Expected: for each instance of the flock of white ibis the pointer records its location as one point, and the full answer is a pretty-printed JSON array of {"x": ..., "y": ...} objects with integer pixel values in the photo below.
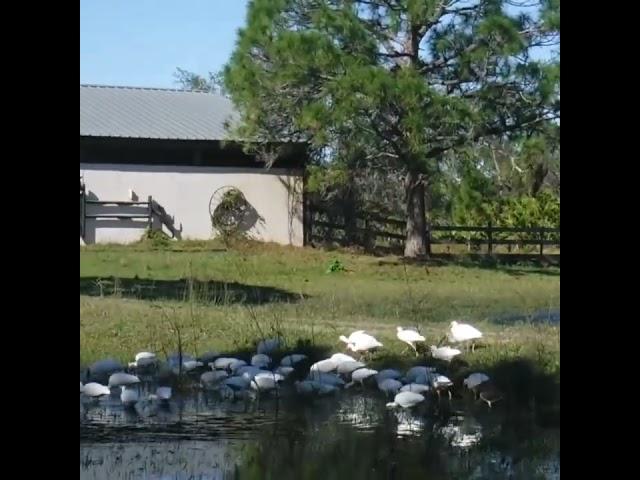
[{"x": 235, "y": 378}]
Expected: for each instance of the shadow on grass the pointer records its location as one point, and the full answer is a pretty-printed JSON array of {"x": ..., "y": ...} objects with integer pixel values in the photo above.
[{"x": 185, "y": 289}]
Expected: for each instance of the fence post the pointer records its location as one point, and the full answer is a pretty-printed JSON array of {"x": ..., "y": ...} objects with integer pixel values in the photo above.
[
  {"x": 541, "y": 238},
  {"x": 83, "y": 210},
  {"x": 489, "y": 239},
  {"x": 150, "y": 212}
]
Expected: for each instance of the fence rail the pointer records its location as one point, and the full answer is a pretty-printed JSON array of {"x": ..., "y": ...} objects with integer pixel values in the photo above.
[
  {"x": 144, "y": 210},
  {"x": 374, "y": 230}
]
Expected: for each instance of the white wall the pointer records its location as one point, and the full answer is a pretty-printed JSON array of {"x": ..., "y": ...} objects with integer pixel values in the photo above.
[{"x": 185, "y": 192}]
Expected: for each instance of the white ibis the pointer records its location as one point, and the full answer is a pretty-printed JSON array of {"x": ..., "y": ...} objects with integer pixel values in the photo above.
[
  {"x": 291, "y": 360},
  {"x": 164, "y": 393},
  {"x": 440, "y": 382},
  {"x": 388, "y": 373},
  {"x": 342, "y": 357},
  {"x": 211, "y": 379},
  {"x": 362, "y": 342},
  {"x": 94, "y": 389},
  {"x": 410, "y": 337},
  {"x": 360, "y": 375},
  {"x": 462, "y": 332},
  {"x": 346, "y": 368},
  {"x": 325, "y": 366},
  {"x": 261, "y": 360},
  {"x": 473, "y": 381},
  {"x": 444, "y": 353},
  {"x": 121, "y": 379},
  {"x": 415, "y": 387},
  {"x": 222, "y": 363},
  {"x": 406, "y": 400},
  {"x": 389, "y": 386},
  {"x": 128, "y": 396},
  {"x": 328, "y": 378}
]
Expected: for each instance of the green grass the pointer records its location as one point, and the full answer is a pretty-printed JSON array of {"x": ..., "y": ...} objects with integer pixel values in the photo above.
[{"x": 136, "y": 298}]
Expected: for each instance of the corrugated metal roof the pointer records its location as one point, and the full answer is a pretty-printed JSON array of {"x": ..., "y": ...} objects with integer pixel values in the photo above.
[{"x": 132, "y": 112}]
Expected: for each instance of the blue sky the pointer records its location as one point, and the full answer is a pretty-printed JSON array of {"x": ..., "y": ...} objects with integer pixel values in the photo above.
[{"x": 141, "y": 42}]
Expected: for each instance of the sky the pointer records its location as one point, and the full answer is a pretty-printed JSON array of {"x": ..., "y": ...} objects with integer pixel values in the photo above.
[{"x": 141, "y": 42}]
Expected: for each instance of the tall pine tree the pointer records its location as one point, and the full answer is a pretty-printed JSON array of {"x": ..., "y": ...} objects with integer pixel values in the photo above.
[{"x": 401, "y": 82}]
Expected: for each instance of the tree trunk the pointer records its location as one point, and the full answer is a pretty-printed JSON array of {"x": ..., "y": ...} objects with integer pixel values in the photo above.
[{"x": 416, "y": 240}]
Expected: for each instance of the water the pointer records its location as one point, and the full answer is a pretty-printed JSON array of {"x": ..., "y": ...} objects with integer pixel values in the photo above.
[
  {"x": 350, "y": 436},
  {"x": 545, "y": 316}
]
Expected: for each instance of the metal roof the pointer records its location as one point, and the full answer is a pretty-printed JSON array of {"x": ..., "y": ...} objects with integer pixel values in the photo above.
[{"x": 134, "y": 112}]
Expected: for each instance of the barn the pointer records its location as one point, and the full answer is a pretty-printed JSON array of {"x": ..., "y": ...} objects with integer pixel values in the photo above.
[{"x": 162, "y": 159}]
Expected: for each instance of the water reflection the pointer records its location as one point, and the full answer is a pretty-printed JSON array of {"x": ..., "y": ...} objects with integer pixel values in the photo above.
[{"x": 350, "y": 436}]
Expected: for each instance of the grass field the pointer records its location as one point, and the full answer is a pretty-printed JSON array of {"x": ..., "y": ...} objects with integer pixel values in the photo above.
[{"x": 135, "y": 298}]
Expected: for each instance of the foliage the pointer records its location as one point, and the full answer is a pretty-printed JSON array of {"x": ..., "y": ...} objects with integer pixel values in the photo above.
[
  {"x": 229, "y": 213},
  {"x": 155, "y": 239},
  {"x": 336, "y": 266},
  {"x": 192, "y": 81},
  {"x": 393, "y": 85}
]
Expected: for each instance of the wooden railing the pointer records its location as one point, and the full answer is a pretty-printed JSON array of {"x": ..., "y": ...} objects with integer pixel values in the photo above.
[
  {"x": 143, "y": 210},
  {"x": 372, "y": 230}
]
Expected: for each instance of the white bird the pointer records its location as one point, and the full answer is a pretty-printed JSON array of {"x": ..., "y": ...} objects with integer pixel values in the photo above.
[
  {"x": 211, "y": 379},
  {"x": 249, "y": 371},
  {"x": 144, "y": 360},
  {"x": 342, "y": 357},
  {"x": 326, "y": 365},
  {"x": 284, "y": 371},
  {"x": 474, "y": 380},
  {"x": 268, "y": 346},
  {"x": 121, "y": 379},
  {"x": 328, "y": 378},
  {"x": 164, "y": 393},
  {"x": 128, "y": 396},
  {"x": 388, "y": 373},
  {"x": 81, "y": 387},
  {"x": 362, "y": 342},
  {"x": 410, "y": 337},
  {"x": 261, "y": 360},
  {"x": 440, "y": 382},
  {"x": 234, "y": 366},
  {"x": 389, "y": 386},
  {"x": 360, "y": 375},
  {"x": 144, "y": 355},
  {"x": 419, "y": 374},
  {"x": 345, "y": 368},
  {"x": 415, "y": 387},
  {"x": 94, "y": 389},
  {"x": 236, "y": 383},
  {"x": 462, "y": 332},
  {"x": 192, "y": 365},
  {"x": 351, "y": 338},
  {"x": 222, "y": 363},
  {"x": 444, "y": 353},
  {"x": 266, "y": 381},
  {"x": 406, "y": 400},
  {"x": 291, "y": 360}
]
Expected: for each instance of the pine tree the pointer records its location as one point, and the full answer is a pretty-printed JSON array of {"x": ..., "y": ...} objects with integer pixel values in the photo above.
[{"x": 402, "y": 82}]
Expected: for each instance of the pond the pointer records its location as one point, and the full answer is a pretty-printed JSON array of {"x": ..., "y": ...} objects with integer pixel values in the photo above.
[{"x": 350, "y": 435}]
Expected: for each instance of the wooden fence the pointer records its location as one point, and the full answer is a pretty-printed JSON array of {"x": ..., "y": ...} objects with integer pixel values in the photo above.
[{"x": 374, "y": 231}]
